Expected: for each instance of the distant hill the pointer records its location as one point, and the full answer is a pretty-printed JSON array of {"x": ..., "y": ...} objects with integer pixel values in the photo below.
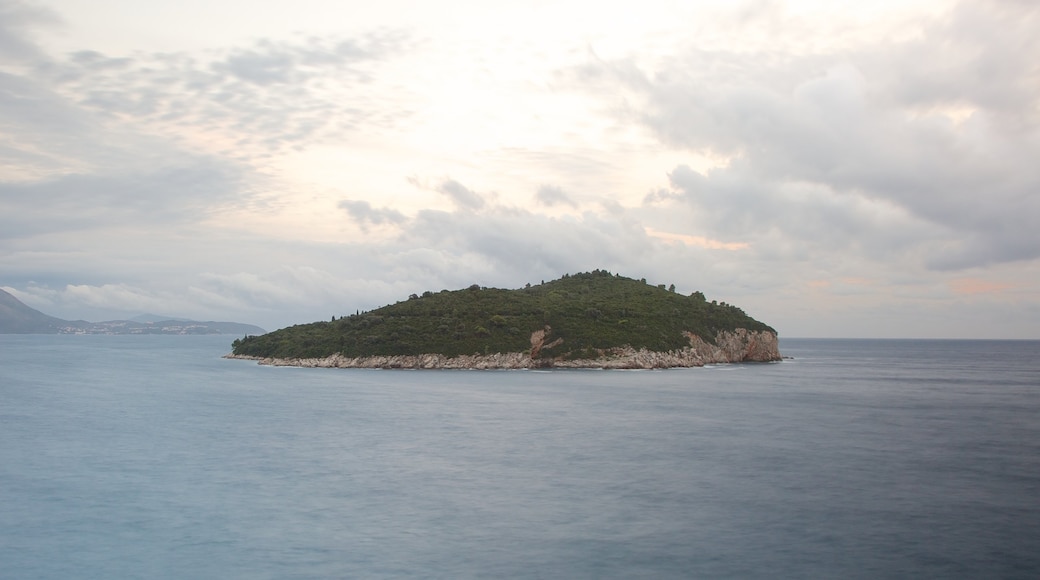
[
  {"x": 17, "y": 318},
  {"x": 577, "y": 317}
]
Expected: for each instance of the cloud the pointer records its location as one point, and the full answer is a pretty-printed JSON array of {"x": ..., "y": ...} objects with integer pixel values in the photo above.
[
  {"x": 461, "y": 195},
  {"x": 363, "y": 213},
  {"x": 978, "y": 56},
  {"x": 252, "y": 279},
  {"x": 700, "y": 241},
  {"x": 741, "y": 155},
  {"x": 791, "y": 220},
  {"x": 16, "y": 20},
  {"x": 978, "y": 286},
  {"x": 921, "y": 147},
  {"x": 270, "y": 62},
  {"x": 661, "y": 195},
  {"x": 552, "y": 196},
  {"x": 259, "y": 67},
  {"x": 269, "y": 97},
  {"x": 43, "y": 133},
  {"x": 170, "y": 195},
  {"x": 203, "y": 274}
]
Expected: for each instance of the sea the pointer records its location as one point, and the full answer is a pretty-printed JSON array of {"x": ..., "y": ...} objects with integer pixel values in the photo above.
[{"x": 153, "y": 457}]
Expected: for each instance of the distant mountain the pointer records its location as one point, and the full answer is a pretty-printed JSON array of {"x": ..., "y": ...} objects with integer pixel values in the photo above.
[{"x": 17, "y": 318}]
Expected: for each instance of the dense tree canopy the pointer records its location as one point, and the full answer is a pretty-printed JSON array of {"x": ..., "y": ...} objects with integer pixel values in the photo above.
[{"x": 588, "y": 311}]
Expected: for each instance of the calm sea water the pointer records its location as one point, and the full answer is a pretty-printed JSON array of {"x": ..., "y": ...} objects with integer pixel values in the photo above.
[{"x": 151, "y": 457}]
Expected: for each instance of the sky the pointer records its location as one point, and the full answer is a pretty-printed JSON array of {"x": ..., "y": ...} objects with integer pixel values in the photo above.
[{"x": 859, "y": 169}]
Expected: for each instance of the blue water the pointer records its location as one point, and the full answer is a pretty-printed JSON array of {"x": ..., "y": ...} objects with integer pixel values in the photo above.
[{"x": 151, "y": 457}]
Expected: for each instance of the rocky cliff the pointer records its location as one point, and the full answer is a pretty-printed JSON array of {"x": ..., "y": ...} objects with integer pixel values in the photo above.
[{"x": 739, "y": 345}]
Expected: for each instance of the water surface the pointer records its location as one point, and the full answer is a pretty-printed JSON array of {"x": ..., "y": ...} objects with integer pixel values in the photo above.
[{"x": 152, "y": 457}]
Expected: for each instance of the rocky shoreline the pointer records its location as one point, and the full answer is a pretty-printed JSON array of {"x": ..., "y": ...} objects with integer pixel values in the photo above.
[{"x": 730, "y": 347}]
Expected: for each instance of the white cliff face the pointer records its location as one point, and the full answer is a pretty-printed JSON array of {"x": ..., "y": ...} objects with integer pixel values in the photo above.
[{"x": 739, "y": 345}]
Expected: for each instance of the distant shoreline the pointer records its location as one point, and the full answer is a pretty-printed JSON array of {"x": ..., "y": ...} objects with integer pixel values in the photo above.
[
  {"x": 731, "y": 347},
  {"x": 500, "y": 361}
]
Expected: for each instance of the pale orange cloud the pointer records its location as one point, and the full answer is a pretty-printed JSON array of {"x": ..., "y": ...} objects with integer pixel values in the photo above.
[
  {"x": 977, "y": 286},
  {"x": 857, "y": 281},
  {"x": 699, "y": 241}
]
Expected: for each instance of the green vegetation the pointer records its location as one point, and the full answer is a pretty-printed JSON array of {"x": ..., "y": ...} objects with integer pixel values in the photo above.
[{"x": 588, "y": 311}]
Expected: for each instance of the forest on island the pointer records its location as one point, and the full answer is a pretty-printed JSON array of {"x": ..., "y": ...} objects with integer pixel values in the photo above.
[{"x": 586, "y": 312}]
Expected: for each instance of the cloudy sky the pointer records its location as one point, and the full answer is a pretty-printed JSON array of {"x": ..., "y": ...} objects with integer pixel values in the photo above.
[{"x": 861, "y": 169}]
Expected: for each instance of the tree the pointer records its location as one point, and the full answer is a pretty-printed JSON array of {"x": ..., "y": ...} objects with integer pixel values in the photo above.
[{"x": 587, "y": 310}]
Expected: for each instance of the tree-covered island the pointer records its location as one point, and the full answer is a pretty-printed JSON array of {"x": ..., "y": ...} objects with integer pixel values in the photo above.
[{"x": 593, "y": 319}]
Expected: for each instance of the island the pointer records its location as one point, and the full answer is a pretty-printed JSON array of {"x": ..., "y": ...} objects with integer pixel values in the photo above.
[{"x": 586, "y": 320}]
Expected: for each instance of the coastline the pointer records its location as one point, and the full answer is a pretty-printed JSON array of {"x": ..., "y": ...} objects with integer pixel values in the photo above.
[{"x": 730, "y": 347}]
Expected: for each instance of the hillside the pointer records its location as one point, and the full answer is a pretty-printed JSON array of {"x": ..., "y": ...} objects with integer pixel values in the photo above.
[
  {"x": 17, "y": 318},
  {"x": 579, "y": 316}
]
